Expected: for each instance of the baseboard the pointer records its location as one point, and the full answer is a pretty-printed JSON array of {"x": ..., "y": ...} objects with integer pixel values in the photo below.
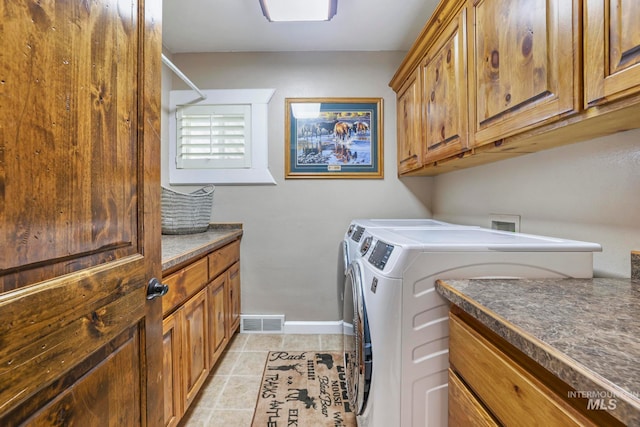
[{"x": 329, "y": 327}]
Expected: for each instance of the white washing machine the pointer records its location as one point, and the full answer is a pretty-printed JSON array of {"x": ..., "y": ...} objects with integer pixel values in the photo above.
[
  {"x": 358, "y": 230},
  {"x": 396, "y": 324},
  {"x": 353, "y": 236}
]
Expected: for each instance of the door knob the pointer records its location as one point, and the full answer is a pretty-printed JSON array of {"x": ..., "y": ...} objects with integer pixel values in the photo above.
[{"x": 156, "y": 289}]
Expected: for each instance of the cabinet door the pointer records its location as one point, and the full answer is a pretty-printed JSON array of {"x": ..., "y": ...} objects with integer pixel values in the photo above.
[
  {"x": 409, "y": 124},
  {"x": 217, "y": 317},
  {"x": 195, "y": 346},
  {"x": 522, "y": 55},
  {"x": 234, "y": 298},
  {"x": 611, "y": 49},
  {"x": 172, "y": 377},
  {"x": 464, "y": 409},
  {"x": 444, "y": 76}
]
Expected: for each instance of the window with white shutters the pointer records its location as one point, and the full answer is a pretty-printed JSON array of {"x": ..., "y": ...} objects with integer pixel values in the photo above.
[
  {"x": 221, "y": 138},
  {"x": 214, "y": 136}
]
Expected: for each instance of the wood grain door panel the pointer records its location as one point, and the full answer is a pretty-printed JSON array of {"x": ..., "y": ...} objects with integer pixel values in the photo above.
[
  {"x": 611, "y": 49},
  {"x": 70, "y": 152},
  {"x": 172, "y": 368},
  {"x": 195, "y": 346},
  {"x": 409, "y": 123},
  {"x": 445, "y": 92},
  {"x": 111, "y": 389},
  {"x": 523, "y": 63},
  {"x": 234, "y": 298},
  {"x": 218, "y": 308}
]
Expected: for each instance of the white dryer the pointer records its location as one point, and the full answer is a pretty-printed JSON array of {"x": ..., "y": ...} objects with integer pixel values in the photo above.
[{"x": 396, "y": 324}]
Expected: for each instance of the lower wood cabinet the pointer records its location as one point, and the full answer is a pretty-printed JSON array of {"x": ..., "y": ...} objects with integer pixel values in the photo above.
[
  {"x": 199, "y": 320},
  {"x": 493, "y": 383}
]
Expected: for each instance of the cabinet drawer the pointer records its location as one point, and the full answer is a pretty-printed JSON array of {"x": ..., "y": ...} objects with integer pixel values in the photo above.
[
  {"x": 184, "y": 283},
  {"x": 508, "y": 390},
  {"x": 223, "y": 258}
]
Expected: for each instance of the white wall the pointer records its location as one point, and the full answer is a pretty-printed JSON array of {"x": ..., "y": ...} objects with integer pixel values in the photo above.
[
  {"x": 585, "y": 191},
  {"x": 293, "y": 230}
]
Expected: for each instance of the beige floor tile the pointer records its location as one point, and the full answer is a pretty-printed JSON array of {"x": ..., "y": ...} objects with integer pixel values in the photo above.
[
  {"x": 225, "y": 364},
  {"x": 231, "y": 418},
  {"x": 331, "y": 342},
  {"x": 196, "y": 416},
  {"x": 240, "y": 392},
  {"x": 301, "y": 342},
  {"x": 250, "y": 363},
  {"x": 237, "y": 342},
  {"x": 211, "y": 391},
  {"x": 263, "y": 342}
]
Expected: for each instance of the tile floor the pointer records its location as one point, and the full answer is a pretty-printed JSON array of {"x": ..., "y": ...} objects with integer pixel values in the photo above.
[{"x": 229, "y": 395}]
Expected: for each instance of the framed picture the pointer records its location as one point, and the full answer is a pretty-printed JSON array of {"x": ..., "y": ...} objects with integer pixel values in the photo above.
[{"x": 333, "y": 138}]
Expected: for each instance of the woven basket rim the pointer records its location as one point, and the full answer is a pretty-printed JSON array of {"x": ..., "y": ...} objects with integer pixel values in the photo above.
[{"x": 201, "y": 192}]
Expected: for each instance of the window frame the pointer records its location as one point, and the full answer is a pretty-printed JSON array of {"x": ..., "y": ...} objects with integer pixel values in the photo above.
[{"x": 259, "y": 172}]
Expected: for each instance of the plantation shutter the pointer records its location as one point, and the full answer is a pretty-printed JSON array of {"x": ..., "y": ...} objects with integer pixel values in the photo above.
[{"x": 213, "y": 136}]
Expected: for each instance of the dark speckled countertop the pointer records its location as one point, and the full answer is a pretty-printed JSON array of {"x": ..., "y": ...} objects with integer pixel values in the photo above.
[
  {"x": 584, "y": 331},
  {"x": 178, "y": 249}
]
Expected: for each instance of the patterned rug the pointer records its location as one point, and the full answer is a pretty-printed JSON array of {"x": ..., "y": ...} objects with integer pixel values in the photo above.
[{"x": 304, "y": 389}]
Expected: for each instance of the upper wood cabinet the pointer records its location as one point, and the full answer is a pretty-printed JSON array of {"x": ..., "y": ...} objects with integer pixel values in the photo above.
[
  {"x": 611, "y": 50},
  {"x": 539, "y": 74},
  {"x": 523, "y": 64},
  {"x": 409, "y": 110},
  {"x": 445, "y": 92}
]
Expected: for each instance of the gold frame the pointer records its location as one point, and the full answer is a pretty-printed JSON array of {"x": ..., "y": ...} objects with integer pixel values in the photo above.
[{"x": 363, "y": 113}]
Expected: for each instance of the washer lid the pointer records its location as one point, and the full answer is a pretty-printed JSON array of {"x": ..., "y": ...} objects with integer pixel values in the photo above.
[{"x": 478, "y": 239}]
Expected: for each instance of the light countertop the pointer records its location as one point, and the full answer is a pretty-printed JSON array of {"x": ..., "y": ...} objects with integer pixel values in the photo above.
[
  {"x": 178, "y": 249},
  {"x": 584, "y": 331}
]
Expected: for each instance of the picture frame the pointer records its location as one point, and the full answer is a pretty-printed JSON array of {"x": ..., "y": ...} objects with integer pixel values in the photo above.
[{"x": 334, "y": 138}]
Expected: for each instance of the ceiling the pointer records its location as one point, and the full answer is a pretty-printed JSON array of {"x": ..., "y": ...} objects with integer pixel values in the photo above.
[{"x": 239, "y": 26}]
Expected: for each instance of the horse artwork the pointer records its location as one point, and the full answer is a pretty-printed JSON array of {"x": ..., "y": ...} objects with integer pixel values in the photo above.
[
  {"x": 332, "y": 139},
  {"x": 339, "y": 139}
]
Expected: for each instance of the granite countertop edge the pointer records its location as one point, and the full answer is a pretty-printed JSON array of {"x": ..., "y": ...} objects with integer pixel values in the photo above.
[
  {"x": 577, "y": 375},
  {"x": 180, "y": 249}
]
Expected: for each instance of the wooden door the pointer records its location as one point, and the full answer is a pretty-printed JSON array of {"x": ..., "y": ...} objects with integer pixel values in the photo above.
[
  {"x": 234, "y": 298},
  {"x": 217, "y": 317},
  {"x": 611, "y": 49},
  {"x": 522, "y": 56},
  {"x": 444, "y": 74},
  {"x": 79, "y": 223},
  {"x": 195, "y": 346},
  {"x": 409, "y": 124}
]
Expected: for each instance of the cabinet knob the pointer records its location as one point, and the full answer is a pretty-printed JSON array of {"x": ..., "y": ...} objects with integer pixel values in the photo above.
[{"x": 156, "y": 289}]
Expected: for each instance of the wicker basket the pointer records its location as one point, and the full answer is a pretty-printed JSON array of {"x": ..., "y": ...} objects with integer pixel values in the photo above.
[{"x": 186, "y": 213}]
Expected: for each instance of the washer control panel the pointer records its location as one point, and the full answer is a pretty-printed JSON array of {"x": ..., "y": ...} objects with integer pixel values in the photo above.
[
  {"x": 357, "y": 234},
  {"x": 380, "y": 255},
  {"x": 366, "y": 244}
]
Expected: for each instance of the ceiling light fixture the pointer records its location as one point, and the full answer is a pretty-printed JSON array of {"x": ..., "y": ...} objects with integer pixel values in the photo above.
[{"x": 298, "y": 10}]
